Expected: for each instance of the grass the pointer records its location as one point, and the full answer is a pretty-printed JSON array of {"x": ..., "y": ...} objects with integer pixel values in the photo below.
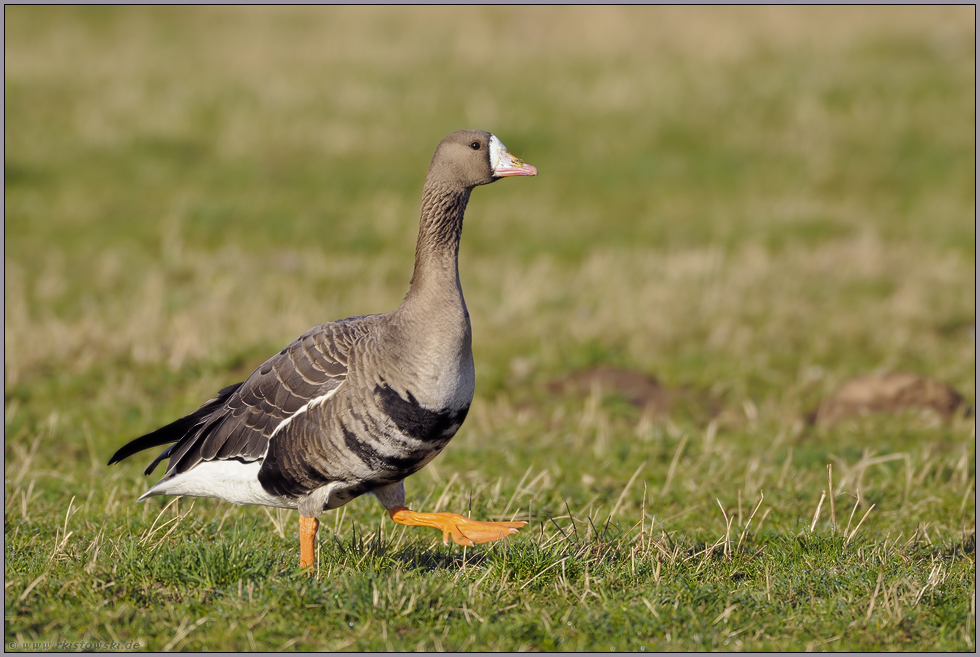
[{"x": 751, "y": 204}]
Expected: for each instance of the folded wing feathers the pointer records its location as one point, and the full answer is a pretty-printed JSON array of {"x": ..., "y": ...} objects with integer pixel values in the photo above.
[{"x": 238, "y": 423}]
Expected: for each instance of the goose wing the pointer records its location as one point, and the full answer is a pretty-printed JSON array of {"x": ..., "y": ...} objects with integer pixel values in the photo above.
[{"x": 240, "y": 421}]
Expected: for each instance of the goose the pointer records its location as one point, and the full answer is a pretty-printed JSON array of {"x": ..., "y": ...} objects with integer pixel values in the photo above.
[{"x": 357, "y": 405}]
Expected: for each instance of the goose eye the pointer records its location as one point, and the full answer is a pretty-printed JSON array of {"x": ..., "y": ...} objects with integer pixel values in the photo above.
[{"x": 475, "y": 145}]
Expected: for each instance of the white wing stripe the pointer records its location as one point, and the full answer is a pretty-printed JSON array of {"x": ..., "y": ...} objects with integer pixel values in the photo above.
[{"x": 302, "y": 409}]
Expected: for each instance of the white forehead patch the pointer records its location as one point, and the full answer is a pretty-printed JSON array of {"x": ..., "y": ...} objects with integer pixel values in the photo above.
[{"x": 497, "y": 152}]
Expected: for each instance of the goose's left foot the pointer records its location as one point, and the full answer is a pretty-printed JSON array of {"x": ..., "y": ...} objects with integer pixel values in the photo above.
[{"x": 463, "y": 530}]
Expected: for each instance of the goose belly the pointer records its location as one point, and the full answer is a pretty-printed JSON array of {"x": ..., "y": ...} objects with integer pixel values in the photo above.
[
  {"x": 396, "y": 440},
  {"x": 357, "y": 445},
  {"x": 416, "y": 422}
]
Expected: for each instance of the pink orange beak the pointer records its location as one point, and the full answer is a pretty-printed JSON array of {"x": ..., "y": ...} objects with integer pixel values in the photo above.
[
  {"x": 504, "y": 164},
  {"x": 508, "y": 165}
]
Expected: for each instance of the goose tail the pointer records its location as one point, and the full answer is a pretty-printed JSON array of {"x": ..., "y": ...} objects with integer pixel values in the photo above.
[{"x": 174, "y": 431}]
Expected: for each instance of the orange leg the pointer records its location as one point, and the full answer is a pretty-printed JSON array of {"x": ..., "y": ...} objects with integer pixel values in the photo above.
[
  {"x": 463, "y": 530},
  {"x": 307, "y": 538}
]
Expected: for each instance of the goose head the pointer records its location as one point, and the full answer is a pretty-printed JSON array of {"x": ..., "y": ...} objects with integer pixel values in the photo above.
[{"x": 468, "y": 158}]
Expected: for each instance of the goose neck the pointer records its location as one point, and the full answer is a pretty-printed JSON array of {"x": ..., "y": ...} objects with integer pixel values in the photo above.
[{"x": 436, "y": 271}]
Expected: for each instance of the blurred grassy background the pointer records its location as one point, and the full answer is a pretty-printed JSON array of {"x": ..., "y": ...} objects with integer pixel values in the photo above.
[{"x": 757, "y": 203}]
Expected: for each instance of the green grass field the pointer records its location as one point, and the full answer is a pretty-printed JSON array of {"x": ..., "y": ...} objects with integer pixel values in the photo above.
[{"x": 752, "y": 205}]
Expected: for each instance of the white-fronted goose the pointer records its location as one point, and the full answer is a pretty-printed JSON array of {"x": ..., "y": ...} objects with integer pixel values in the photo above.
[{"x": 353, "y": 406}]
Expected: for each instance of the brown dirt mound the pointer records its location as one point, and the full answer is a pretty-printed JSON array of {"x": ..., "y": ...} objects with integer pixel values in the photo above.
[{"x": 886, "y": 393}]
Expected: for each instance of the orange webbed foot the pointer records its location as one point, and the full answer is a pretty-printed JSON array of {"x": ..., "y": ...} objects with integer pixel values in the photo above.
[{"x": 464, "y": 531}]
